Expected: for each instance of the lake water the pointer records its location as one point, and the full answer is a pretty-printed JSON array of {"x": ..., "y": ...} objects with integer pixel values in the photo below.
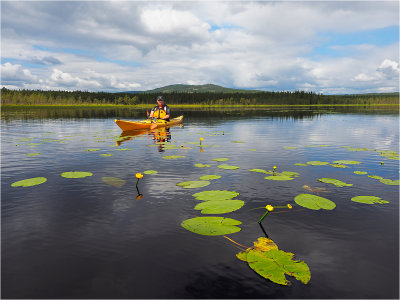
[{"x": 83, "y": 238}]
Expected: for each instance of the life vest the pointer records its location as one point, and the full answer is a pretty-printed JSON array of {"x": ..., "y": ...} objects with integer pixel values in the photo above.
[{"x": 159, "y": 112}]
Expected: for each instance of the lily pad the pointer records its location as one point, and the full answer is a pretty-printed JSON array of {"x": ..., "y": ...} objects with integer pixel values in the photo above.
[
  {"x": 336, "y": 182},
  {"x": 29, "y": 182},
  {"x": 76, "y": 174},
  {"x": 357, "y": 149},
  {"x": 300, "y": 164},
  {"x": 317, "y": 163},
  {"x": 212, "y": 226},
  {"x": 339, "y": 166},
  {"x": 279, "y": 178},
  {"x": 375, "y": 177},
  {"x": 91, "y": 150},
  {"x": 219, "y": 206},
  {"x": 114, "y": 181},
  {"x": 360, "y": 172},
  {"x": 149, "y": 172},
  {"x": 221, "y": 159},
  {"x": 289, "y": 173},
  {"x": 123, "y": 149},
  {"x": 369, "y": 200},
  {"x": 291, "y": 148},
  {"x": 215, "y": 195},
  {"x": 33, "y": 154},
  {"x": 228, "y": 167},
  {"x": 390, "y": 182},
  {"x": 238, "y": 142},
  {"x": 193, "y": 184},
  {"x": 202, "y": 166},
  {"x": 347, "y": 162},
  {"x": 273, "y": 264},
  {"x": 106, "y": 154},
  {"x": 252, "y": 150},
  {"x": 314, "y": 202},
  {"x": 209, "y": 177},
  {"x": 173, "y": 156}
]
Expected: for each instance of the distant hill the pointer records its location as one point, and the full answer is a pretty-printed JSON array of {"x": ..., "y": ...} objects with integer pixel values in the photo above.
[{"x": 187, "y": 88}]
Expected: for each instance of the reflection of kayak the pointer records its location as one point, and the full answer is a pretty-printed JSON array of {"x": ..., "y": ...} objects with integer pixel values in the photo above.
[{"x": 147, "y": 124}]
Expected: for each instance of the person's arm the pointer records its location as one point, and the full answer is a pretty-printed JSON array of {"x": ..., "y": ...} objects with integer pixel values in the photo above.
[
  {"x": 167, "y": 112},
  {"x": 152, "y": 113}
]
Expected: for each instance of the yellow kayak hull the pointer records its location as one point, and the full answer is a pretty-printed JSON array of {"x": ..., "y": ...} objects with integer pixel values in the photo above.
[{"x": 147, "y": 124}]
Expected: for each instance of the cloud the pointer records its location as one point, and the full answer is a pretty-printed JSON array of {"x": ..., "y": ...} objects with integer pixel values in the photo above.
[
  {"x": 266, "y": 45},
  {"x": 390, "y": 69},
  {"x": 16, "y": 74}
]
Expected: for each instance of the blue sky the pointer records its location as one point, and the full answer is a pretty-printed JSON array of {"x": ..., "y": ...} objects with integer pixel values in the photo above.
[{"x": 329, "y": 47}]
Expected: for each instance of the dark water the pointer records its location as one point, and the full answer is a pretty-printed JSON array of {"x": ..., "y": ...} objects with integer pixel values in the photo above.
[{"x": 82, "y": 238}]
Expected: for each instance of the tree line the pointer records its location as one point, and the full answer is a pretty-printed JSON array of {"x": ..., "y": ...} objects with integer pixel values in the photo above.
[{"x": 39, "y": 97}]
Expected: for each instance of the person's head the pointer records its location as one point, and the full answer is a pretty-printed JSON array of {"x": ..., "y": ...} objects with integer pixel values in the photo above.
[{"x": 160, "y": 100}]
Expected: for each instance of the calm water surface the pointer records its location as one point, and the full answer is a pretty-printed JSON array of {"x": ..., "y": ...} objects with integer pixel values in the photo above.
[{"x": 83, "y": 238}]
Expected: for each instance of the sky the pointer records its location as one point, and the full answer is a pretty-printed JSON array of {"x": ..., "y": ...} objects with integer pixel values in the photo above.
[{"x": 329, "y": 47}]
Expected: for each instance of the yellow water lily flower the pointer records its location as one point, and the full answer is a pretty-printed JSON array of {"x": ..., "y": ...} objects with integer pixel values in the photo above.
[
  {"x": 269, "y": 207},
  {"x": 201, "y": 139},
  {"x": 139, "y": 175},
  {"x": 275, "y": 167},
  {"x": 289, "y": 206}
]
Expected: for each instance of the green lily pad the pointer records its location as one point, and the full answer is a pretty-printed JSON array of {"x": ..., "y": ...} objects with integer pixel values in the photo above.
[
  {"x": 289, "y": 173},
  {"x": 375, "y": 177},
  {"x": 357, "y": 149},
  {"x": 219, "y": 206},
  {"x": 335, "y": 182},
  {"x": 274, "y": 264},
  {"x": 193, "y": 184},
  {"x": 220, "y": 159},
  {"x": 212, "y": 225},
  {"x": 114, "y": 181},
  {"x": 228, "y": 167},
  {"x": 339, "y": 166},
  {"x": 106, "y": 154},
  {"x": 123, "y": 149},
  {"x": 347, "y": 162},
  {"x": 173, "y": 156},
  {"x": 291, "y": 148},
  {"x": 202, "y": 166},
  {"x": 314, "y": 202},
  {"x": 279, "y": 178},
  {"x": 33, "y": 154},
  {"x": 252, "y": 150},
  {"x": 215, "y": 195},
  {"x": 301, "y": 164},
  {"x": 390, "y": 182},
  {"x": 209, "y": 177},
  {"x": 76, "y": 174},
  {"x": 93, "y": 149},
  {"x": 29, "y": 182},
  {"x": 238, "y": 142},
  {"x": 360, "y": 172},
  {"x": 317, "y": 163},
  {"x": 369, "y": 200},
  {"x": 149, "y": 172}
]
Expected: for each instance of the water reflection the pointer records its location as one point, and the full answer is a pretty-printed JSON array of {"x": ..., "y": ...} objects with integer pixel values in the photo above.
[{"x": 222, "y": 113}]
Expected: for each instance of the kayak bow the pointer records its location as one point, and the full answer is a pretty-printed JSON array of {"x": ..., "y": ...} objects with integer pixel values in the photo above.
[{"x": 147, "y": 124}]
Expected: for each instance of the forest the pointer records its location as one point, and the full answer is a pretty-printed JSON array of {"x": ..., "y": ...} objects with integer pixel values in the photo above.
[{"x": 39, "y": 97}]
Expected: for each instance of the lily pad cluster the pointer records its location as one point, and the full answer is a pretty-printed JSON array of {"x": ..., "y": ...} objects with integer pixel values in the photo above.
[
  {"x": 215, "y": 202},
  {"x": 273, "y": 264}
]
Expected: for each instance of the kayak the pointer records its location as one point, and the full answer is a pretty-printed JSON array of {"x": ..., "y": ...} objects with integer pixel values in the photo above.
[{"x": 147, "y": 124}]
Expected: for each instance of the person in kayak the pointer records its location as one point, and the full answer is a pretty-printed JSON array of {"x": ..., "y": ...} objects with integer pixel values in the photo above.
[{"x": 161, "y": 110}]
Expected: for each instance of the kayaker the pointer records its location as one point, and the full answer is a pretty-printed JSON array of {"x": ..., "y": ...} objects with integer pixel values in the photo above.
[{"x": 161, "y": 110}]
